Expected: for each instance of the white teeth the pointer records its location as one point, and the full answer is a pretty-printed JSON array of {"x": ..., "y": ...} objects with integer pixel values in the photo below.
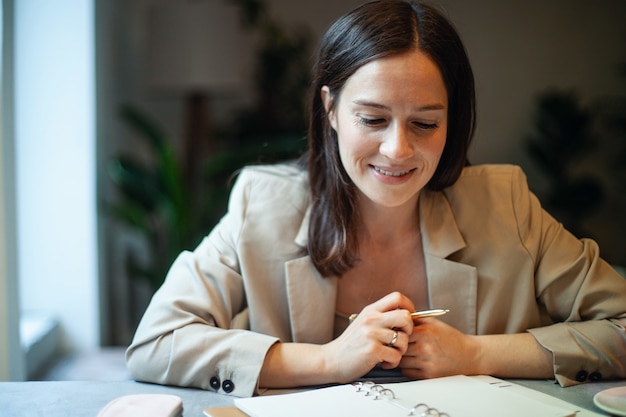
[{"x": 392, "y": 174}]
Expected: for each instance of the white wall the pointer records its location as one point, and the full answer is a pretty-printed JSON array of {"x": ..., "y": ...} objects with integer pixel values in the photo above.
[{"x": 55, "y": 164}]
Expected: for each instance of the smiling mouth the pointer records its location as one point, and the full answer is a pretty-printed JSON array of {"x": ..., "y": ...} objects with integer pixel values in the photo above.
[{"x": 392, "y": 173}]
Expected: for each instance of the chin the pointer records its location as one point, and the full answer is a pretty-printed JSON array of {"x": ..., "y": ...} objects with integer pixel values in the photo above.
[{"x": 392, "y": 201}]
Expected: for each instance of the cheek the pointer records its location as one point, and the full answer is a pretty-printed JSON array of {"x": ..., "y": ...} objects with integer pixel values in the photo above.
[
  {"x": 436, "y": 145},
  {"x": 344, "y": 149},
  {"x": 351, "y": 142},
  {"x": 351, "y": 151},
  {"x": 441, "y": 146}
]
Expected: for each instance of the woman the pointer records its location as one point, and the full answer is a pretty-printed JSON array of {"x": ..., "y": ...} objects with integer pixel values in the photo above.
[{"x": 384, "y": 220}]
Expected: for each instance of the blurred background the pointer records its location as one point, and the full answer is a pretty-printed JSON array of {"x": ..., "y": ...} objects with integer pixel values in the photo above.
[{"x": 123, "y": 120}]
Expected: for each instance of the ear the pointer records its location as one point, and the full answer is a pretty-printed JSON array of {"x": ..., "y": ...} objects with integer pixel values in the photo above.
[{"x": 327, "y": 99}]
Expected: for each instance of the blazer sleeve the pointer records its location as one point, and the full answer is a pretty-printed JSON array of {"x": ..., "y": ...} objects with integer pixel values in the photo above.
[
  {"x": 184, "y": 337},
  {"x": 583, "y": 296}
]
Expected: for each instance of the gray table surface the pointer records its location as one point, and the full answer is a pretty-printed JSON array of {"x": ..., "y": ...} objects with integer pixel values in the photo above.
[
  {"x": 580, "y": 395},
  {"x": 86, "y": 399}
]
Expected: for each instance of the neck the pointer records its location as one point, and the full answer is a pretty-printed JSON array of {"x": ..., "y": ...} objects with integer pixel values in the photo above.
[{"x": 384, "y": 225}]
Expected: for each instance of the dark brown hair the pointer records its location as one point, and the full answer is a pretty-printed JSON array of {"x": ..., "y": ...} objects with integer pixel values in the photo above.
[{"x": 372, "y": 31}]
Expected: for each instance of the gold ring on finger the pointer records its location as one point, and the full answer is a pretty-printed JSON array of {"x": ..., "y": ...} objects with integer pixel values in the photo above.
[{"x": 394, "y": 339}]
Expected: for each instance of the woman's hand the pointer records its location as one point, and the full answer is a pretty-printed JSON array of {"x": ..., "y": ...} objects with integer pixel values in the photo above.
[
  {"x": 379, "y": 334},
  {"x": 437, "y": 349}
]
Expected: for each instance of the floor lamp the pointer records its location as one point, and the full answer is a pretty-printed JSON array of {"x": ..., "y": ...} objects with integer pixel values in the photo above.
[{"x": 194, "y": 51}]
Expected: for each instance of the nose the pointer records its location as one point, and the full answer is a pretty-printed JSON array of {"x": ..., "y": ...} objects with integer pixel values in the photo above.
[{"x": 396, "y": 144}]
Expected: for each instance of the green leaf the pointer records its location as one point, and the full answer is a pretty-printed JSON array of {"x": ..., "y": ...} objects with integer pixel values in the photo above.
[
  {"x": 132, "y": 215},
  {"x": 144, "y": 127},
  {"x": 137, "y": 183}
]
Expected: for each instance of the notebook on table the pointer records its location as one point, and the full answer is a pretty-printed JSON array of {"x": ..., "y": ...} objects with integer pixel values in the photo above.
[{"x": 455, "y": 396}]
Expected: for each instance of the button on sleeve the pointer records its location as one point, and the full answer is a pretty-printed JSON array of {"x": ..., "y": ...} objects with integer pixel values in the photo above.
[
  {"x": 215, "y": 383},
  {"x": 581, "y": 376},
  {"x": 228, "y": 386},
  {"x": 595, "y": 376}
]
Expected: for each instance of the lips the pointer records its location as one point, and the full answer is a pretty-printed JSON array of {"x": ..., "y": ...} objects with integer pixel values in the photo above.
[{"x": 394, "y": 173}]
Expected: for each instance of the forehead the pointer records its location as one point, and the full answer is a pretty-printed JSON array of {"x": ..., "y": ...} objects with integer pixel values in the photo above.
[{"x": 408, "y": 76}]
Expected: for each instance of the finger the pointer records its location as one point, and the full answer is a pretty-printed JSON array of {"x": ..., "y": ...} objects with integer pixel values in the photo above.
[
  {"x": 394, "y": 338},
  {"x": 398, "y": 341},
  {"x": 389, "y": 337},
  {"x": 396, "y": 319},
  {"x": 412, "y": 373},
  {"x": 389, "y": 330},
  {"x": 391, "y": 356},
  {"x": 394, "y": 301},
  {"x": 413, "y": 365},
  {"x": 418, "y": 321},
  {"x": 399, "y": 319},
  {"x": 425, "y": 328}
]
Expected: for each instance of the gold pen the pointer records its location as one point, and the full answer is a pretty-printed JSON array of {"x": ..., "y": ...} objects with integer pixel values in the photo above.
[
  {"x": 429, "y": 313},
  {"x": 416, "y": 315}
]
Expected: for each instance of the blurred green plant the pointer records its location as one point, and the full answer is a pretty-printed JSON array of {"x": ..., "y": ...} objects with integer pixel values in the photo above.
[
  {"x": 155, "y": 202},
  {"x": 281, "y": 78},
  {"x": 560, "y": 142},
  {"x": 155, "y": 199},
  {"x": 610, "y": 125},
  {"x": 581, "y": 149},
  {"x": 158, "y": 204}
]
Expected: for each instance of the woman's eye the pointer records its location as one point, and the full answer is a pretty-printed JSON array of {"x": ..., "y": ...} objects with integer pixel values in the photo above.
[
  {"x": 426, "y": 126},
  {"x": 370, "y": 122}
]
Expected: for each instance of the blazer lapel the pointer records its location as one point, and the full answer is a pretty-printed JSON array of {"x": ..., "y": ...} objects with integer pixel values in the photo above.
[
  {"x": 451, "y": 284},
  {"x": 312, "y": 298}
]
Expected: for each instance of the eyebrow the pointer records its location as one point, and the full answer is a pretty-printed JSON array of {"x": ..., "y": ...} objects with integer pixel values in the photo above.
[{"x": 427, "y": 107}]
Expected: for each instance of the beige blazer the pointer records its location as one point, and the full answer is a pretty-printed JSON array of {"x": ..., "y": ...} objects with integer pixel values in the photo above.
[{"x": 493, "y": 257}]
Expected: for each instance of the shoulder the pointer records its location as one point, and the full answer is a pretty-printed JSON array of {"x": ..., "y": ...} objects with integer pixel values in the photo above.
[
  {"x": 493, "y": 195},
  {"x": 285, "y": 175},
  {"x": 279, "y": 181},
  {"x": 492, "y": 173},
  {"x": 268, "y": 193},
  {"x": 488, "y": 182},
  {"x": 288, "y": 172}
]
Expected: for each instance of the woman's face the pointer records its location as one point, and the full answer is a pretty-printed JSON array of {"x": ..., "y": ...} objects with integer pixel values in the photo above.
[{"x": 391, "y": 123}]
